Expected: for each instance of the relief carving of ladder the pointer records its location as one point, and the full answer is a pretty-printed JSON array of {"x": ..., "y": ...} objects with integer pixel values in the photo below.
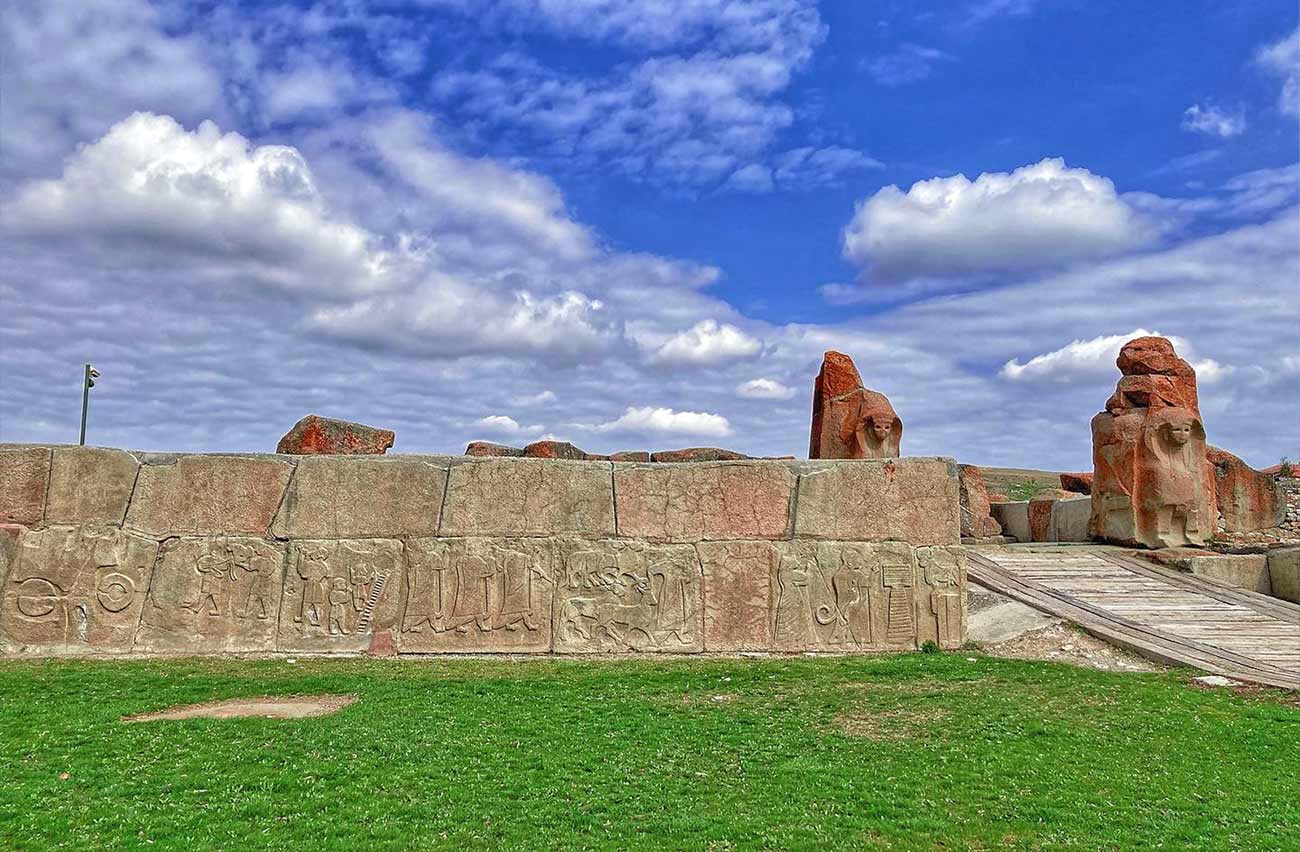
[{"x": 363, "y": 623}]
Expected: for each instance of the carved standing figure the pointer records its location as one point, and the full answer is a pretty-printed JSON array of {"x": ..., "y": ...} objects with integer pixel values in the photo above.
[
  {"x": 848, "y": 420},
  {"x": 1173, "y": 477}
]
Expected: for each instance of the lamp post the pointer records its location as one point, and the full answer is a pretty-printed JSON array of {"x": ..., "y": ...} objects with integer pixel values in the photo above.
[{"x": 87, "y": 382}]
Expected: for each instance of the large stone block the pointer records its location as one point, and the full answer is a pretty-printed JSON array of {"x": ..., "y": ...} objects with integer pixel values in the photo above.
[
  {"x": 1070, "y": 516},
  {"x": 526, "y": 497},
  {"x": 90, "y": 485},
  {"x": 1284, "y": 573},
  {"x": 362, "y": 497},
  {"x": 76, "y": 588},
  {"x": 910, "y": 499},
  {"x": 213, "y": 595},
  {"x": 1013, "y": 516},
  {"x": 709, "y": 501},
  {"x": 341, "y": 595},
  {"x": 24, "y": 476},
  {"x": 857, "y": 596},
  {"x": 737, "y": 594},
  {"x": 324, "y": 435},
  {"x": 616, "y": 596},
  {"x": 475, "y": 595},
  {"x": 208, "y": 495}
]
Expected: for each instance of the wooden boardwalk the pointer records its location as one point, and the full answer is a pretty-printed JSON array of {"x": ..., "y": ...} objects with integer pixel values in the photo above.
[{"x": 1160, "y": 613}]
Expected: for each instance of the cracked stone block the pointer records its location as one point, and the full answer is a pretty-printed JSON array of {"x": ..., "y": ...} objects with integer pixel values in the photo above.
[
  {"x": 208, "y": 495},
  {"x": 909, "y": 499},
  {"x": 507, "y": 496},
  {"x": 737, "y": 594},
  {"x": 362, "y": 497},
  {"x": 24, "y": 475},
  {"x": 705, "y": 501},
  {"x": 90, "y": 485}
]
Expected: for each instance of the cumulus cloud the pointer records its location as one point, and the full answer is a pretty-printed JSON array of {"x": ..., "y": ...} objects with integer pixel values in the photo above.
[
  {"x": 909, "y": 64},
  {"x": 1041, "y": 215},
  {"x": 707, "y": 342},
  {"x": 501, "y": 424},
  {"x": 1096, "y": 356},
  {"x": 764, "y": 389},
  {"x": 666, "y": 421},
  {"x": 1214, "y": 121},
  {"x": 1281, "y": 59}
]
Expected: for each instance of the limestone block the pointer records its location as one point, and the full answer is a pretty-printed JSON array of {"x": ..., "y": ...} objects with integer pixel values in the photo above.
[
  {"x": 362, "y": 497},
  {"x": 24, "y": 475},
  {"x": 1244, "y": 570},
  {"x": 505, "y": 496},
  {"x": 910, "y": 499},
  {"x": 737, "y": 594},
  {"x": 1284, "y": 573},
  {"x": 90, "y": 485},
  {"x": 705, "y": 501},
  {"x": 1070, "y": 516},
  {"x": 478, "y": 595},
  {"x": 1014, "y": 518},
  {"x": 845, "y": 596},
  {"x": 213, "y": 595},
  {"x": 941, "y": 595},
  {"x": 616, "y": 596},
  {"x": 76, "y": 588},
  {"x": 208, "y": 495},
  {"x": 343, "y": 595}
]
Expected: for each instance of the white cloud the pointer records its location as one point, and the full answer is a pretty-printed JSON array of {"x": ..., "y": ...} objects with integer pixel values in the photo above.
[
  {"x": 667, "y": 421},
  {"x": 1282, "y": 59},
  {"x": 1082, "y": 357},
  {"x": 707, "y": 342},
  {"x": 1214, "y": 121},
  {"x": 764, "y": 389},
  {"x": 502, "y": 424},
  {"x": 909, "y": 64},
  {"x": 1041, "y": 215}
]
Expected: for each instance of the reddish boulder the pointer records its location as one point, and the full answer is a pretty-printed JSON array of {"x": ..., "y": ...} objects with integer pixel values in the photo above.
[
  {"x": 1248, "y": 499},
  {"x": 1080, "y": 483},
  {"x": 315, "y": 435},
  {"x": 554, "y": 450},
  {"x": 697, "y": 454},
  {"x": 1287, "y": 468},
  {"x": 1152, "y": 484},
  {"x": 996, "y": 497},
  {"x": 976, "y": 522},
  {"x": 849, "y": 421},
  {"x": 630, "y": 456},
  {"x": 489, "y": 449},
  {"x": 1040, "y": 512}
]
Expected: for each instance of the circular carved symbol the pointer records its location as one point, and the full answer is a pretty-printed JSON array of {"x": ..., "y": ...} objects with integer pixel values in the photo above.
[
  {"x": 115, "y": 592},
  {"x": 37, "y": 597}
]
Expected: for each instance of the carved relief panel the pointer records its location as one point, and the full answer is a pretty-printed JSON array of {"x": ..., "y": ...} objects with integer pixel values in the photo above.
[
  {"x": 214, "y": 594},
  {"x": 628, "y": 596},
  {"x": 478, "y": 595},
  {"x": 338, "y": 595},
  {"x": 941, "y": 596},
  {"x": 81, "y": 587}
]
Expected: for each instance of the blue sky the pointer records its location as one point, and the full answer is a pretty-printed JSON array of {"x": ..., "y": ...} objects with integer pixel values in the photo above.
[{"x": 638, "y": 224}]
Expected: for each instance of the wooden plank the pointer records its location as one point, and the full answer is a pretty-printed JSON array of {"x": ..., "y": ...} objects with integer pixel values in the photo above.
[{"x": 1275, "y": 607}]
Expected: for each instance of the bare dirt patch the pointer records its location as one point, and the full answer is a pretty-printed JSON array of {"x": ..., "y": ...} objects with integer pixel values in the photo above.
[
  {"x": 894, "y": 724},
  {"x": 269, "y": 707},
  {"x": 1060, "y": 643}
]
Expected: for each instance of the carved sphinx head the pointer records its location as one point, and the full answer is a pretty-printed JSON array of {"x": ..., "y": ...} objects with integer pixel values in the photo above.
[{"x": 880, "y": 429}]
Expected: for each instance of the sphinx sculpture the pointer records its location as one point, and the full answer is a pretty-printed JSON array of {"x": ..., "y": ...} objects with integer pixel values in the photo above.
[
  {"x": 848, "y": 420},
  {"x": 1153, "y": 483}
]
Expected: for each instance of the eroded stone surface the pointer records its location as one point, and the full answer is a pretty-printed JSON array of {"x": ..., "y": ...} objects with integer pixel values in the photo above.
[
  {"x": 341, "y": 595},
  {"x": 76, "y": 588},
  {"x": 554, "y": 450},
  {"x": 362, "y": 498},
  {"x": 912, "y": 499},
  {"x": 529, "y": 497},
  {"x": 696, "y": 454},
  {"x": 737, "y": 594},
  {"x": 213, "y": 595},
  {"x": 324, "y": 435},
  {"x": 1248, "y": 499},
  {"x": 976, "y": 519},
  {"x": 208, "y": 495},
  {"x": 941, "y": 596},
  {"x": 1284, "y": 572},
  {"x": 90, "y": 485},
  {"x": 1079, "y": 483},
  {"x": 721, "y": 500},
  {"x": 849, "y": 421},
  {"x": 478, "y": 595},
  {"x": 616, "y": 596},
  {"x": 487, "y": 449},
  {"x": 24, "y": 476}
]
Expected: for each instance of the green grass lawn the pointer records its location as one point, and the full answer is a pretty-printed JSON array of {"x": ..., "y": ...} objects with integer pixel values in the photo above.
[{"x": 897, "y": 752}]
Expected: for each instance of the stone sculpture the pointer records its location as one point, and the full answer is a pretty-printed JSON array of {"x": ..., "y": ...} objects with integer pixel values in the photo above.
[
  {"x": 848, "y": 420},
  {"x": 1153, "y": 484},
  {"x": 1248, "y": 499},
  {"x": 315, "y": 434}
]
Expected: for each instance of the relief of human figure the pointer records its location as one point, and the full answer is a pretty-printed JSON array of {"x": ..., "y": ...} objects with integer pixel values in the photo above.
[
  {"x": 1173, "y": 477},
  {"x": 794, "y": 617},
  {"x": 213, "y": 567},
  {"x": 313, "y": 570},
  {"x": 340, "y": 594}
]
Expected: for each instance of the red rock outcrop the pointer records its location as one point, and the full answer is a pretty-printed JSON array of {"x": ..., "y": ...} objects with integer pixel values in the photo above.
[
  {"x": 1153, "y": 484},
  {"x": 1079, "y": 483},
  {"x": 554, "y": 450},
  {"x": 1248, "y": 499},
  {"x": 697, "y": 454},
  {"x": 489, "y": 449},
  {"x": 316, "y": 435},
  {"x": 849, "y": 421},
  {"x": 976, "y": 522}
]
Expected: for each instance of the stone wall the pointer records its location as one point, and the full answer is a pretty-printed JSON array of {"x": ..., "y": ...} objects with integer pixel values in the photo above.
[{"x": 121, "y": 552}]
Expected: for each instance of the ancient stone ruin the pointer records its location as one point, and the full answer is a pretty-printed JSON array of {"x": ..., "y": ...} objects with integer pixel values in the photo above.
[
  {"x": 316, "y": 435},
  {"x": 849, "y": 421},
  {"x": 1153, "y": 484},
  {"x": 120, "y": 552}
]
